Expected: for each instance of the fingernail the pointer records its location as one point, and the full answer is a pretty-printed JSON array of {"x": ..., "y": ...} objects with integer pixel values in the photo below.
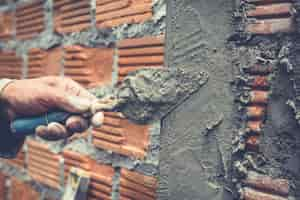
[
  {"x": 80, "y": 104},
  {"x": 97, "y": 119}
]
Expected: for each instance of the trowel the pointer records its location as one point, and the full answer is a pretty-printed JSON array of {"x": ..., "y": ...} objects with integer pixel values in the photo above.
[{"x": 143, "y": 96}]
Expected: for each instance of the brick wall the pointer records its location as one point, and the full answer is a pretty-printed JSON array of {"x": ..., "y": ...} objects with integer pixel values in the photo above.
[{"x": 91, "y": 42}]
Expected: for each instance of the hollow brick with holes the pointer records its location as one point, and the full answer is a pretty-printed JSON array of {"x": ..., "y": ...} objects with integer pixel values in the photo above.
[
  {"x": 30, "y": 19},
  {"x": 138, "y": 53},
  {"x": 10, "y": 65},
  {"x": 121, "y": 136},
  {"x": 72, "y": 16},
  {"x": 22, "y": 191},
  {"x": 44, "y": 62},
  {"x": 6, "y": 25},
  {"x": 89, "y": 66},
  {"x": 43, "y": 165}
]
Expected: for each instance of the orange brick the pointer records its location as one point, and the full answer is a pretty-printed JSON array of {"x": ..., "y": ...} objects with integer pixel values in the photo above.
[
  {"x": 6, "y": 25},
  {"x": 271, "y": 26},
  {"x": 267, "y": 183},
  {"x": 136, "y": 186},
  {"x": 71, "y": 16},
  {"x": 259, "y": 97},
  {"x": 261, "y": 82},
  {"x": 43, "y": 165},
  {"x": 30, "y": 20},
  {"x": 23, "y": 191},
  {"x": 266, "y": 1},
  {"x": 121, "y": 136},
  {"x": 271, "y": 10},
  {"x": 101, "y": 181},
  {"x": 44, "y": 63},
  {"x": 10, "y": 65},
  {"x": 252, "y": 194},
  {"x": 3, "y": 189},
  {"x": 254, "y": 126},
  {"x": 252, "y": 143},
  {"x": 140, "y": 53},
  {"x": 257, "y": 112},
  {"x": 110, "y": 13},
  {"x": 77, "y": 160},
  {"x": 89, "y": 66}
]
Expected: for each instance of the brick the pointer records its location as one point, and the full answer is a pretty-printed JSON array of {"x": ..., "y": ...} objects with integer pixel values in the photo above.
[
  {"x": 271, "y": 10},
  {"x": 3, "y": 189},
  {"x": 18, "y": 162},
  {"x": 6, "y": 25},
  {"x": 101, "y": 181},
  {"x": 136, "y": 186},
  {"x": 252, "y": 143},
  {"x": 44, "y": 63},
  {"x": 29, "y": 20},
  {"x": 271, "y": 26},
  {"x": 77, "y": 160},
  {"x": 89, "y": 66},
  {"x": 110, "y": 13},
  {"x": 267, "y": 183},
  {"x": 261, "y": 82},
  {"x": 23, "y": 191},
  {"x": 258, "y": 97},
  {"x": 266, "y": 1},
  {"x": 10, "y": 65},
  {"x": 121, "y": 136},
  {"x": 255, "y": 112},
  {"x": 252, "y": 194},
  {"x": 72, "y": 16},
  {"x": 140, "y": 53},
  {"x": 254, "y": 126},
  {"x": 43, "y": 165}
]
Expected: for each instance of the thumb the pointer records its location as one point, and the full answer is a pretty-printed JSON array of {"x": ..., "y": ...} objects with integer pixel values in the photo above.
[{"x": 74, "y": 104}]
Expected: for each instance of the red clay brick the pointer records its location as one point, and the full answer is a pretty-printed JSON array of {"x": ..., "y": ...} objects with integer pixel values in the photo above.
[
  {"x": 252, "y": 143},
  {"x": 89, "y": 66},
  {"x": 71, "y": 16},
  {"x": 266, "y": 1},
  {"x": 140, "y": 53},
  {"x": 261, "y": 82},
  {"x": 267, "y": 183},
  {"x": 271, "y": 10},
  {"x": 30, "y": 20},
  {"x": 136, "y": 186},
  {"x": 3, "y": 189},
  {"x": 23, "y": 191},
  {"x": 271, "y": 26},
  {"x": 259, "y": 97},
  {"x": 252, "y": 194},
  {"x": 111, "y": 13},
  {"x": 43, "y": 165},
  {"x": 101, "y": 181},
  {"x": 10, "y": 65},
  {"x": 44, "y": 63},
  {"x": 6, "y": 25},
  {"x": 121, "y": 136},
  {"x": 257, "y": 112},
  {"x": 254, "y": 126}
]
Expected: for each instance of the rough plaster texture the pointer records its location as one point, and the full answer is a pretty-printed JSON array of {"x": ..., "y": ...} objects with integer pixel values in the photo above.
[{"x": 196, "y": 137}]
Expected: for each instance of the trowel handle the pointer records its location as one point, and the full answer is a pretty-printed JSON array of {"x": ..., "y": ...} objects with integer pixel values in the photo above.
[{"x": 26, "y": 126}]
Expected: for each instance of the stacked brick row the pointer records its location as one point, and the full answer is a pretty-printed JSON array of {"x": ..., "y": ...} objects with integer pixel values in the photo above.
[
  {"x": 264, "y": 17},
  {"x": 268, "y": 17},
  {"x": 52, "y": 170}
]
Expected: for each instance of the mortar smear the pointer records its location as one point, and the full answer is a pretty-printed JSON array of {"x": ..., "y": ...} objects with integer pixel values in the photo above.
[{"x": 147, "y": 95}]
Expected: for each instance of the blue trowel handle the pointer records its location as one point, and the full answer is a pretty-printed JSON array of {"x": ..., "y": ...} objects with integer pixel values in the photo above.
[{"x": 26, "y": 126}]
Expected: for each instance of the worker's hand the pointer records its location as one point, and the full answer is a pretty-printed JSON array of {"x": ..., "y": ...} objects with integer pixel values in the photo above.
[{"x": 33, "y": 97}]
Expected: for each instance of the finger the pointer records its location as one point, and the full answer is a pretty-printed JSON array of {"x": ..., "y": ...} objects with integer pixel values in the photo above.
[
  {"x": 97, "y": 120},
  {"x": 56, "y": 131},
  {"x": 76, "y": 124}
]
